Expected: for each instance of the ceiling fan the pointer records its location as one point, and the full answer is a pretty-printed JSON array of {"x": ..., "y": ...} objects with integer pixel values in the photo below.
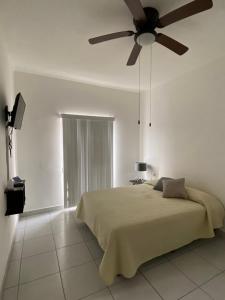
[{"x": 146, "y": 20}]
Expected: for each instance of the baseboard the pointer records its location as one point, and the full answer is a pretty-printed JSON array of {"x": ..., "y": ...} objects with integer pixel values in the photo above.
[{"x": 41, "y": 211}]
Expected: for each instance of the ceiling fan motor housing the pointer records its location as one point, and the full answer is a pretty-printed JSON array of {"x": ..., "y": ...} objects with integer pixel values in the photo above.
[{"x": 152, "y": 15}]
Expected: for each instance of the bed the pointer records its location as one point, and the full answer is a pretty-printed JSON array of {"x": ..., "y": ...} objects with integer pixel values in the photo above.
[{"x": 135, "y": 224}]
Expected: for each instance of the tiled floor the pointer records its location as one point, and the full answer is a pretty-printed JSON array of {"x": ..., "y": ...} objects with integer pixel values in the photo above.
[{"x": 55, "y": 257}]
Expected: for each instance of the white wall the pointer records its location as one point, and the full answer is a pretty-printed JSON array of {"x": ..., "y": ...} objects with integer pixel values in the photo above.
[
  {"x": 7, "y": 224},
  {"x": 187, "y": 137},
  {"x": 40, "y": 143}
]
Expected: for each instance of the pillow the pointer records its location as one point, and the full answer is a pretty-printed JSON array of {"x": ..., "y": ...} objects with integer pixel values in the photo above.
[
  {"x": 174, "y": 188},
  {"x": 159, "y": 185}
]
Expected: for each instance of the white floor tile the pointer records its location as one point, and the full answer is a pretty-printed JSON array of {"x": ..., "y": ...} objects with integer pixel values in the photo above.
[
  {"x": 153, "y": 263},
  {"x": 216, "y": 287},
  {"x": 103, "y": 295},
  {"x": 95, "y": 249},
  {"x": 67, "y": 238},
  {"x": 12, "y": 276},
  {"x": 48, "y": 288},
  {"x": 39, "y": 219},
  {"x": 133, "y": 289},
  {"x": 55, "y": 213},
  {"x": 85, "y": 231},
  {"x": 72, "y": 256},
  {"x": 79, "y": 222},
  {"x": 10, "y": 294},
  {"x": 19, "y": 234},
  {"x": 62, "y": 216},
  {"x": 169, "y": 282},
  {"x": 82, "y": 281},
  {"x": 64, "y": 225},
  {"x": 197, "y": 295},
  {"x": 118, "y": 278},
  {"x": 197, "y": 243},
  {"x": 214, "y": 253},
  {"x": 195, "y": 267},
  {"x": 37, "y": 230},
  {"x": 21, "y": 222},
  {"x": 202, "y": 242},
  {"x": 180, "y": 251},
  {"x": 16, "y": 251},
  {"x": 98, "y": 261},
  {"x": 38, "y": 266},
  {"x": 38, "y": 245}
]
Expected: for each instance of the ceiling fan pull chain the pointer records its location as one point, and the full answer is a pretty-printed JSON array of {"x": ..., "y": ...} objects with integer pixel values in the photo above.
[
  {"x": 139, "y": 92},
  {"x": 150, "y": 90}
]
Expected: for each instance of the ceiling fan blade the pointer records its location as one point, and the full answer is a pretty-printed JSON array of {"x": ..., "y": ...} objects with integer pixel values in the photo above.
[
  {"x": 136, "y": 10},
  {"x": 171, "y": 44},
  {"x": 134, "y": 54},
  {"x": 185, "y": 11},
  {"x": 111, "y": 36}
]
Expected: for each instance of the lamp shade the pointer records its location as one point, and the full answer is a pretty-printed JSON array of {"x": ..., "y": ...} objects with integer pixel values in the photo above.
[{"x": 140, "y": 166}]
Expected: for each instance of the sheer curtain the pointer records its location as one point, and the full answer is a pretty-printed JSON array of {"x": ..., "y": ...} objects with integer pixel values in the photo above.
[{"x": 87, "y": 155}]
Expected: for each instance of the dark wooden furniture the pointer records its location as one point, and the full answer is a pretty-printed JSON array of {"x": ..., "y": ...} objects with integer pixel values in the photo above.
[{"x": 15, "y": 198}]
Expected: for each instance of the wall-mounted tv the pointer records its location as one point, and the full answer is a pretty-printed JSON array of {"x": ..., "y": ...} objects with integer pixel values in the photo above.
[{"x": 17, "y": 112}]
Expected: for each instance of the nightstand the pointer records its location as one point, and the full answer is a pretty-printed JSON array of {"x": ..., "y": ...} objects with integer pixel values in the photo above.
[{"x": 137, "y": 181}]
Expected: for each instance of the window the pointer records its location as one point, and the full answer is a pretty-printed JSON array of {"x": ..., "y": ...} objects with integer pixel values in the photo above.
[{"x": 87, "y": 155}]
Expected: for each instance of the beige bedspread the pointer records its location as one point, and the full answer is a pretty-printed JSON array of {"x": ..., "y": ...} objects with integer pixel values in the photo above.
[{"x": 135, "y": 224}]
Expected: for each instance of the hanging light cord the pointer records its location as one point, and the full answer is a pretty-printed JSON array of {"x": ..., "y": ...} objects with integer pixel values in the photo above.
[
  {"x": 150, "y": 91},
  {"x": 139, "y": 92}
]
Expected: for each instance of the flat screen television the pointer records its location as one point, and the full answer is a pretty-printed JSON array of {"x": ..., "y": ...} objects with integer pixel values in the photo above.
[{"x": 17, "y": 112}]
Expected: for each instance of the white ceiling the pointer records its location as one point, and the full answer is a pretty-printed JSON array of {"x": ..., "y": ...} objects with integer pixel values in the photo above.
[{"x": 51, "y": 37}]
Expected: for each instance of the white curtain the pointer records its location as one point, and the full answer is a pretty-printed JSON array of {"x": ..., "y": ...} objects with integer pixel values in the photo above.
[{"x": 87, "y": 154}]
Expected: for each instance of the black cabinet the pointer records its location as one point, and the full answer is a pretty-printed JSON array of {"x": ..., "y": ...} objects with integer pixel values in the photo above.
[{"x": 15, "y": 198}]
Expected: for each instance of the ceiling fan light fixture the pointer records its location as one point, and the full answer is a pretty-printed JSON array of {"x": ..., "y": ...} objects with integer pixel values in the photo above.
[{"x": 146, "y": 38}]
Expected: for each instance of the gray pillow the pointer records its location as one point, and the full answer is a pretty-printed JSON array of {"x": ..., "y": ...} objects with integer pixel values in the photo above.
[
  {"x": 159, "y": 184},
  {"x": 174, "y": 188}
]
